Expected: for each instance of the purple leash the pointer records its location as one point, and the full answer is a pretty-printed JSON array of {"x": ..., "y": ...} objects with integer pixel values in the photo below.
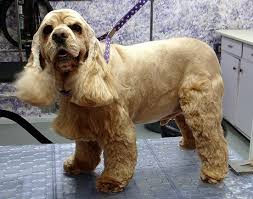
[{"x": 107, "y": 36}]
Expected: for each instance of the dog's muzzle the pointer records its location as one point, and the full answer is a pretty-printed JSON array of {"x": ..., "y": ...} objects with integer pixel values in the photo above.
[{"x": 65, "y": 61}]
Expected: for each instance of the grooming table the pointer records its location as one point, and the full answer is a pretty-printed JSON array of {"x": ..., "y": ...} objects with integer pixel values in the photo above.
[{"x": 163, "y": 171}]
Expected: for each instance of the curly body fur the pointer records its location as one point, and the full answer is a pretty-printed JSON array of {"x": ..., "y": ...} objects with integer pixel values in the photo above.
[{"x": 142, "y": 83}]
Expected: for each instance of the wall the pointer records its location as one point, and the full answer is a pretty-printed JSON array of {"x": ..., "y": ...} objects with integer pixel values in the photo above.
[
  {"x": 200, "y": 18},
  {"x": 172, "y": 18}
]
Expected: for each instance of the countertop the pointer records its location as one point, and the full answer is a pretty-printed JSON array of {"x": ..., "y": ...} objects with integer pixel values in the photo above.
[{"x": 245, "y": 36}]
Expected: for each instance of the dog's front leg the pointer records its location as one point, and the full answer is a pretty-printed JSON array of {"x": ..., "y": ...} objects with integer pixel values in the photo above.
[
  {"x": 85, "y": 158},
  {"x": 120, "y": 156}
]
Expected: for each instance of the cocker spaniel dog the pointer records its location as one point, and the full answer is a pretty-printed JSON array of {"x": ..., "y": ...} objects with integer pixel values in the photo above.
[{"x": 100, "y": 103}]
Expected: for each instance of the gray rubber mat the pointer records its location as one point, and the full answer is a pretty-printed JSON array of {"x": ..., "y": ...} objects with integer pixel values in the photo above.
[{"x": 163, "y": 171}]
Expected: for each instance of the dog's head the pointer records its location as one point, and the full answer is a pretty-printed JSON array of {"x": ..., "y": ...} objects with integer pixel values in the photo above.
[
  {"x": 66, "y": 56},
  {"x": 64, "y": 39}
]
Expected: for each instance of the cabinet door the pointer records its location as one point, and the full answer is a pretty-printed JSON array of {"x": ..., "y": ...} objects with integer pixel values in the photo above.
[
  {"x": 244, "y": 111},
  {"x": 229, "y": 67}
]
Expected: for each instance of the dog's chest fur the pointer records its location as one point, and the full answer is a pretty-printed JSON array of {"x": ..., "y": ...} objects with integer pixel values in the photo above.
[{"x": 90, "y": 123}]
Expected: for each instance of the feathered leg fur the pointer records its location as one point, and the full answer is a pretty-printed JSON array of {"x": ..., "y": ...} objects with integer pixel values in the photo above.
[
  {"x": 200, "y": 100},
  {"x": 85, "y": 158},
  {"x": 187, "y": 141},
  {"x": 120, "y": 154}
]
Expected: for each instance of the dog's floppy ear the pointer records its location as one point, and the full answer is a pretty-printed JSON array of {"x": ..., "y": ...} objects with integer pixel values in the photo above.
[
  {"x": 94, "y": 84},
  {"x": 35, "y": 52},
  {"x": 36, "y": 85}
]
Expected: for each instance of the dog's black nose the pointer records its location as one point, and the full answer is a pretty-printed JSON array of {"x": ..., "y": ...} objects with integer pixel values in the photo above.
[{"x": 60, "y": 37}]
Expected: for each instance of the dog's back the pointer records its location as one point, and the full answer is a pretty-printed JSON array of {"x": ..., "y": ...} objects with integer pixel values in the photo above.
[{"x": 151, "y": 73}]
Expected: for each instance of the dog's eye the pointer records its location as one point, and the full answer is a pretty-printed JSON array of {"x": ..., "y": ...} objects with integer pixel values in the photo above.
[
  {"x": 76, "y": 28},
  {"x": 47, "y": 30}
]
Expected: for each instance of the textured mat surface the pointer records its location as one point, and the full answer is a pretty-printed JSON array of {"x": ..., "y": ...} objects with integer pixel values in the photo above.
[{"x": 163, "y": 171}]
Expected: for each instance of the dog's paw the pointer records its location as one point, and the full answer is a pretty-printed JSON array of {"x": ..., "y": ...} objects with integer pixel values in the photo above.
[
  {"x": 70, "y": 166},
  {"x": 189, "y": 144},
  {"x": 109, "y": 185},
  {"x": 209, "y": 179}
]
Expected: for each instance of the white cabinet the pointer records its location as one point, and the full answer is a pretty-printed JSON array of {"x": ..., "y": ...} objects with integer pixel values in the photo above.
[
  {"x": 229, "y": 69},
  {"x": 237, "y": 73},
  {"x": 244, "y": 112}
]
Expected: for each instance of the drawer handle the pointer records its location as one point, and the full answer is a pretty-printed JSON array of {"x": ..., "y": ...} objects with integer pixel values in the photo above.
[
  {"x": 230, "y": 46},
  {"x": 234, "y": 68},
  {"x": 241, "y": 70}
]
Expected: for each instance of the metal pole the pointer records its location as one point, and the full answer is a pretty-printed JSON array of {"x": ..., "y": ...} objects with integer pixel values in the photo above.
[
  {"x": 19, "y": 13},
  {"x": 151, "y": 19},
  {"x": 251, "y": 144}
]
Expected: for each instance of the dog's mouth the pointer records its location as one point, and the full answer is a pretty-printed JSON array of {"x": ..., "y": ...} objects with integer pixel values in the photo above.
[
  {"x": 64, "y": 55},
  {"x": 65, "y": 61}
]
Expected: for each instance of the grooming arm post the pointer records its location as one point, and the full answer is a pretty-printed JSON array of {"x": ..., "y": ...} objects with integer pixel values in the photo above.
[
  {"x": 251, "y": 144},
  {"x": 244, "y": 166}
]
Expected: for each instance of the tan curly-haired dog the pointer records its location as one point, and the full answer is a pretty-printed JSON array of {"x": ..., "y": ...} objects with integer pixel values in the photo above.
[{"x": 146, "y": 82}]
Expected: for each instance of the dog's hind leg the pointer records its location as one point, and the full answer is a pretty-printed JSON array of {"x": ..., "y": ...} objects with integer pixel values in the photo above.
[
  {"x": 200, "y": 100},
  {"x": 85, "y": 158},
  {"x": 187, "y": 141}
]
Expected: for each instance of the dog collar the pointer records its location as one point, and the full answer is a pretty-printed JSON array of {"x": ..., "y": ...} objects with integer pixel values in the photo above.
[{"x": 65, "y": 93}]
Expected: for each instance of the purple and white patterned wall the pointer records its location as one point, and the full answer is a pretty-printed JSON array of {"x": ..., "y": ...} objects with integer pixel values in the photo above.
[{"x": 172, "y": 18}]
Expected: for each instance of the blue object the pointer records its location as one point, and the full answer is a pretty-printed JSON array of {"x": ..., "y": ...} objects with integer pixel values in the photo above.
[{"x": 163, "y": 171}]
